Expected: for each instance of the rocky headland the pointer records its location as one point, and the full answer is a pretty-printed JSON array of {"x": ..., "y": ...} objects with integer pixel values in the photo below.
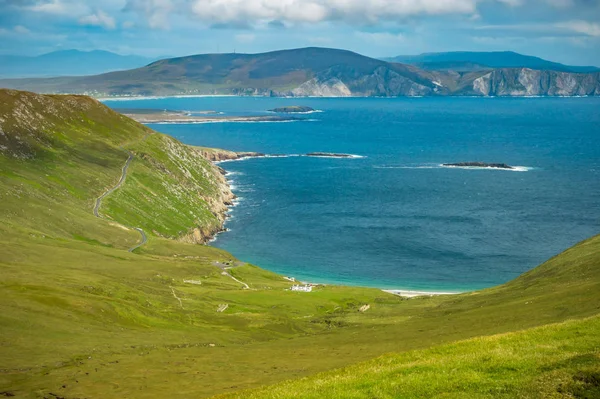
[{"x": 479, "y": 165}]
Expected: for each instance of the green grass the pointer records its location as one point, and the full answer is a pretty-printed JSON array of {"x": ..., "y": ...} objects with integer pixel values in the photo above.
[
  {"x": 554, "y": 361},
  {"x": 82, "y": 317}
]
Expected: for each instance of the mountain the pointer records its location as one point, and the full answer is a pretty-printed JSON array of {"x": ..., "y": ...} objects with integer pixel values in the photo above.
[
  {"x": 84, "y": 316},
  {"x": 68, "y": 63},
  {"x": 307, "y": 72},
  {"x": 471, "y": 60}
]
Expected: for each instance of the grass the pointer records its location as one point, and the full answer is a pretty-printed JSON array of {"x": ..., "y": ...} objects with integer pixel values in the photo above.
[
  {"x": 554, "y": 361},
  {"x": 82, "y": 317}
]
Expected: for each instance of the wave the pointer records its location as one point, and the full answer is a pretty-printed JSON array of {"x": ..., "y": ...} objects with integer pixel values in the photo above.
[
  {"x": 346, "y": 156},
  {"x": 513, "y": 168},
  {"x": 441, "y": 166}
]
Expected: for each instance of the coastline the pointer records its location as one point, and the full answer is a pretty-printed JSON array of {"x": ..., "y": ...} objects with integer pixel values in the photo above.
[{"x": 218, "y": 156}]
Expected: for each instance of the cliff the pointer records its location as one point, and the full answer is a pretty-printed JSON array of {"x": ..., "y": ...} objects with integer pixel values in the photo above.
[
  {"x": 315, "y": 72},
  {"x": 518, "y": 82}
]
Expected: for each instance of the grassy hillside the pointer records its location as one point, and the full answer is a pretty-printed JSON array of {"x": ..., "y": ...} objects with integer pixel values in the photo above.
[
  {"x": 82, "y": 317},
  {"x": 330, "y": 72},
  {"x": 277, "y": 71},
  {"x": 472, "y": 60},
  {"x": 554, "y": 361}
]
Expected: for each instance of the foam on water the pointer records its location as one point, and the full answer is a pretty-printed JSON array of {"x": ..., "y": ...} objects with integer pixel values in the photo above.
[
  {"x": 417, "y": 229},
  {"x": 442, "y": 166}
]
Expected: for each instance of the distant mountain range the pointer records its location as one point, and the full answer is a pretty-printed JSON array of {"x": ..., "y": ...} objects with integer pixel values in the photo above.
[
  {"x": 471, "y": 61},
  {"x": 316, "y": 72},
  {"x": 68, "y": 63}
]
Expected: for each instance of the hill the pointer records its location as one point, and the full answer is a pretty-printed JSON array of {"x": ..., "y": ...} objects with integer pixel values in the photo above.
[
  {"x": 83, "y": 317},
  {"x": 68, "y": 63},
  {"x": 472, "y": 60},
  {"x": 309, "y": 72}
]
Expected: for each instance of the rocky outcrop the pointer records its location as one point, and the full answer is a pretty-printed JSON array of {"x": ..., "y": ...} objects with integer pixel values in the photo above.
[
  {"x": 218, "y": 155},
  {"x": 479, "y": 165},
  {"x": 318, "y": 87},
  {"x": 521, "y": 82},
  {"x": 346, "y": 81},
  {"x": 329, "y": 155},
  {"x": 291, "y": 109}
]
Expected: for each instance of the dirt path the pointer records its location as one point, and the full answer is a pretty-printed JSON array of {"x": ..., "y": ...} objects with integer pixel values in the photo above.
[
  {"x": 111, "y": 190},
  {"x": 246, "y": 286}
]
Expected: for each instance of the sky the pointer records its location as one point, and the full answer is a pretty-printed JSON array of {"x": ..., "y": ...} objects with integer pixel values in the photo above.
[{"x": 565, "y": 31}]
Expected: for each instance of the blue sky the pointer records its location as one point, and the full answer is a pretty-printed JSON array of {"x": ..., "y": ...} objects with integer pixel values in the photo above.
[{"x": 560, "y": 30}]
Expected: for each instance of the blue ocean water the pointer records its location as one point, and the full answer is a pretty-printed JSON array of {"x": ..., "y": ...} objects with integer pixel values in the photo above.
[{"x": 395, "y": 218}]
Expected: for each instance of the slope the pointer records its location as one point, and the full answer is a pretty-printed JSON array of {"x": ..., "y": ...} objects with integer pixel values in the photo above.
[
  {"x": 82, "y": 317},
  {"x": 279, "y": 72},
  {"x": 472, "y": 60},
  {"x": 554, "y": 361}
]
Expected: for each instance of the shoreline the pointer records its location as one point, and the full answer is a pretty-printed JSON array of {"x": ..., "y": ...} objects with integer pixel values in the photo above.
[
  {"x": 218, "y": 156},
  {"x": 158, "y": 97}
]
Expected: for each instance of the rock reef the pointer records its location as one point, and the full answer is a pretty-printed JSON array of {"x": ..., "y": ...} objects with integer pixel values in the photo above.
[
  {"x": 298, "y": 109},
  {"x": 479, "y": 165}
]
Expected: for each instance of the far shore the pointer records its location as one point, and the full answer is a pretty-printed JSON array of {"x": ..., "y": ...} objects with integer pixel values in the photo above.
[{"x": 176, "y": 117}]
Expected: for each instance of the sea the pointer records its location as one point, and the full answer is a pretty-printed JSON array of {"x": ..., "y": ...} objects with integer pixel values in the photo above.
[{"x": 393, "y": 217}]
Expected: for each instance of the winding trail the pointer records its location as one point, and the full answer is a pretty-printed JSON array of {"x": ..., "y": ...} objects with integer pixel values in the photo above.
[{"x": 111, "y": 190}]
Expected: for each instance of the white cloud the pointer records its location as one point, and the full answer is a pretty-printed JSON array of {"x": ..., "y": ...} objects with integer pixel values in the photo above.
[
  {"x": 22, "y": 30},
  {"x": 245, "y": 37},
  {"x": 368, "y": 11},
  {"x": 99, "y": 18},
  {"x": 156, "y": 11},
  {"x": 582, "y": 27},
  {"x": 59, "y": 7}
]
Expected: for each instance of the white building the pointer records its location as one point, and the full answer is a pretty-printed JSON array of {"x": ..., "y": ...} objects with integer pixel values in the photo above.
[{"x": 303, "y": 288}]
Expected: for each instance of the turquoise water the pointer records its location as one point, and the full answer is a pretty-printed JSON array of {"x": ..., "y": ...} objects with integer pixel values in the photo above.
[{"x": 395, "y": 218}]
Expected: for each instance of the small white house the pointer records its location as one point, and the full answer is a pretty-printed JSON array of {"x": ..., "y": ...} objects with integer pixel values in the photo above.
[{"x": 303, "y": 288}]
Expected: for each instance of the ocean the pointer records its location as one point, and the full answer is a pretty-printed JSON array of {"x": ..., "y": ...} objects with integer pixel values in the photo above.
[{"x": 395, "y": 218}]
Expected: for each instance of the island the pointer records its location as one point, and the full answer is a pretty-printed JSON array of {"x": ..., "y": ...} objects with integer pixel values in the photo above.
[
  {"x": 292, "y": 109},
  {"x": 479, "y": 165},
  {"x": 329, "y": 155},
  {"x": 179, "y": 117}
]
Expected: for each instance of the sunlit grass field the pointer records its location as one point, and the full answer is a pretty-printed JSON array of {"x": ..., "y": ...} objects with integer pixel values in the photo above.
[{"x": 80, "y": 316}]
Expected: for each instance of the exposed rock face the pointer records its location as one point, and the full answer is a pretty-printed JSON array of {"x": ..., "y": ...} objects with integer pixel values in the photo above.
[
  {"x": 519, "y": 82},
  {"x": 217, "y": 155},
  {"x": 480, "y": 165},
  {"x": 322, "y": 88},
  {"x": 346, "y": 81},
  {"x": 292, "y": 109}
]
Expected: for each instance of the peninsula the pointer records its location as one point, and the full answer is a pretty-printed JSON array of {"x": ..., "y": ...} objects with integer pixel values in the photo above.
[{"x": 158, "y": 117}]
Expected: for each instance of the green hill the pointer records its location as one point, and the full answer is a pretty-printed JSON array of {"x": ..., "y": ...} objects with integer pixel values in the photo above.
[
  {"x": 473, "y": 60},
  {"x": 320, "y": 72},
  {"x": 83, "y": 317}
]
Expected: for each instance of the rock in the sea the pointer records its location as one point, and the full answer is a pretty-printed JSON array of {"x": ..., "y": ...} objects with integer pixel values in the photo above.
[
  {"x": 329, "y": 155},
  {"x": 292, "y": 109},
  {"x": 480, "y": 165}
]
